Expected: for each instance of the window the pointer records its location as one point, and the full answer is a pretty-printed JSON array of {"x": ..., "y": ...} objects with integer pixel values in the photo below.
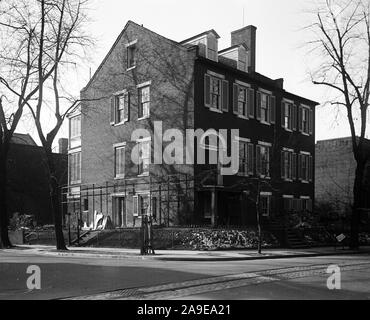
[
  {"x": 119, "y": 162},
  {"x": 75, "y": 132},
  {"x": 144, "y": 157},
  {"x": 305, "y": 167},
  {"x": 86, "y": 205},
  {"x": 288, "y": 116},
  {"x": 144, "y": 102},
  {"x": 305, "y": 120},
  {"x": 216, "y": 93},
  {"x": 288, "y": 203},
  {"x": 288, "y": 164},
  {"x": 74, "y": 168},
  {"x": 263, "y": 161},
  {"x": 246, "y": 157},
  {"x": 131, "y": 56},
  {"x": 265, "y": 107},
  {"x": 142, "y": 205},
  {"x": 265, "y": 115},
  {"x": 120, "y": 108},
  {"x": 243, "y": 101},
  {"x": 306, "y": 204},
  {"x": 265, "y": 203}
]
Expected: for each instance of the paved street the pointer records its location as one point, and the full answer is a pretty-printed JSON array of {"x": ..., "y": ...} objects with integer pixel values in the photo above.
[{"x": 135, "y": 278}]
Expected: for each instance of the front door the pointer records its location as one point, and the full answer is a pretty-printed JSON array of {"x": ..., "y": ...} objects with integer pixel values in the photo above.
[{"x": 120, "y": 212}]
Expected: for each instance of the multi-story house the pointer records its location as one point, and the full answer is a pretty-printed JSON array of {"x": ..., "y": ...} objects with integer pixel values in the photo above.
[{"x": 149, "y": 82}]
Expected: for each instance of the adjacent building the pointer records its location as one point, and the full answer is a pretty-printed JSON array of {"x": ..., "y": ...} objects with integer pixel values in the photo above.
[
  {"x": 335, "y": 174},
  {"x": 155, "y": 84},
  {"x": 28, "y": 189}
]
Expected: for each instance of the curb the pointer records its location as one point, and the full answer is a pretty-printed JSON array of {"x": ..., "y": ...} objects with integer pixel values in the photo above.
[
  {"x": 197, "y": 259},
  {"x": 288, "y": 256}
]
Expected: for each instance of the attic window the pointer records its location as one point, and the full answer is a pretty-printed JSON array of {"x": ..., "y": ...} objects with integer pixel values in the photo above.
[
  {"x": 131, "y": 54},
  {"x": 208, "y": 46}
]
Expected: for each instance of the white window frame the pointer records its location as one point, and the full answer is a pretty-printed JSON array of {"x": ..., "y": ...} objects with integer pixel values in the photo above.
[
  {"x": 307, "y": 156},
  {"x": 71, "y": 154},
  {"x": 140, "y": 88},
  {"x": 129, "y": 46},
  {"x": 141, "y": 141},
  {"x": 117, "y": 147},
  {"x": 288, "y": 104},
  {"x": 268, "y": 196},
  {"x": 268, "y": 146},
  {"x": 75, "y": 138},
  {"x": 136, "y": 198}
]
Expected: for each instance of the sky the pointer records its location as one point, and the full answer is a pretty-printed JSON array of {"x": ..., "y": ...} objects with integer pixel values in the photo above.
[{"x": 281, "y": 39}]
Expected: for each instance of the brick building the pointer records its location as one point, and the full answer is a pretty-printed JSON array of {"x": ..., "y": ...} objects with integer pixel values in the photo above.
[
  {"x": 28, "y": 190},
  {"x": 335, "y": 173},
  {"x": 145, "y": 79}
]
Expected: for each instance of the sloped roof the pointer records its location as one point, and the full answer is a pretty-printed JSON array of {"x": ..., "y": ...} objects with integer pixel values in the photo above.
[{"x": 21, "y": 138}]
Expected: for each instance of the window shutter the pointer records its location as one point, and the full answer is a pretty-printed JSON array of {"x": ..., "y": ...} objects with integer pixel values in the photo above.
[
  {"x": 207, "y": 91},
  {"x": 300, "y": 124},
  {"x": 283, "y": 174},
  {"x": 311, "y": 121},
  {"x": 299, "y": 167},
  {"x": 294, "y": 166},
  {"x": 258, "y": 105},
  {"x": 135, "y": 205},
  {"x": 309, "y": 205},
  {"x": 250, "y": 159},
  {"x": 126, "y": 116},
  {"x": 272, "y": 109},
  {"x": 283, "y": 114},
  {"x": 258, "y": 160},
  {"x": 250, "y": 103},
  {"x": 310, "y": 168},
  {"x": 112, "y": 110},
  {"x": 225, "y": 95},
  {"x": 294, "y": 117},
  {"x": 235, "y": 99}
]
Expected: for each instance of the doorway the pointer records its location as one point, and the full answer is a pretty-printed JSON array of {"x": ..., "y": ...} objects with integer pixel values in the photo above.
[{"x": 119, "y": 218}]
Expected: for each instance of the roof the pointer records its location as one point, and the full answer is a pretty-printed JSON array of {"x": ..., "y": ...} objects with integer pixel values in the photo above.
[
  {"x": 232, "y": 48},
  {"x": 201, "y": 34},
  {"x": 130, "y": 22},
  {"x": 24, "y": 139}
]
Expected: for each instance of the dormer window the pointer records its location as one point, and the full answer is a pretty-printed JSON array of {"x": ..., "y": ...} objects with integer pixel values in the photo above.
[
  {"x": 238, "y": 54},
  {"x": 207, "y": 43}
]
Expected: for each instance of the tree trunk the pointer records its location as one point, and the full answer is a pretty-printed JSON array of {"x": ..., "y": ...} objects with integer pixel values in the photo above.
[
  {"x": 55, "y": 202},
  {"x": 357, "y": 204},
  {"x": 4, "y": 220}
]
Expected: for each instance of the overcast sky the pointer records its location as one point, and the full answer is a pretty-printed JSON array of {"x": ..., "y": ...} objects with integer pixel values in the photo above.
[{"x": 280, "y": 37}]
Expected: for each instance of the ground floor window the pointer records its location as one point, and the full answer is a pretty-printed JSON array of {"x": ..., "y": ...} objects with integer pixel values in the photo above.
[
  {"x": 145, "y": 205},
  {"x": 265, "y": 203}
]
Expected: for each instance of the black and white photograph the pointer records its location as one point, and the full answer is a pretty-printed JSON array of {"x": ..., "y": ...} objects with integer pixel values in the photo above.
[{"x": 179, "y": 157}]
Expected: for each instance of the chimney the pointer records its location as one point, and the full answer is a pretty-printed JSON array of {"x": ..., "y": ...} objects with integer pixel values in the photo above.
[
  {"x": 247, "y": 37},
  {"x": 63, "y": 145}
]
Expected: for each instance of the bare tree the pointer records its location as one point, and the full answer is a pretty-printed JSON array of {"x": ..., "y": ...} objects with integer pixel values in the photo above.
[
  {"x": 342, "y": 42},
  {"x": 19, "y": 34},
  {"x": 54, "y": 33},
  {"x": 63, "y": 41}
]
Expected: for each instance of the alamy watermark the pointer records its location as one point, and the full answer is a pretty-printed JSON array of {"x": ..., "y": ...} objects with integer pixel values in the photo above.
[
  {"x": 34, "y": 280},
  {"x": 222, "y": 146},
  {"x": 334, "y": 280}
]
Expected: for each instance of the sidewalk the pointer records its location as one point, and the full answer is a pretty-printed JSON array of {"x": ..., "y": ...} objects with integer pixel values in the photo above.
[{"x": 183, "y": 255}]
